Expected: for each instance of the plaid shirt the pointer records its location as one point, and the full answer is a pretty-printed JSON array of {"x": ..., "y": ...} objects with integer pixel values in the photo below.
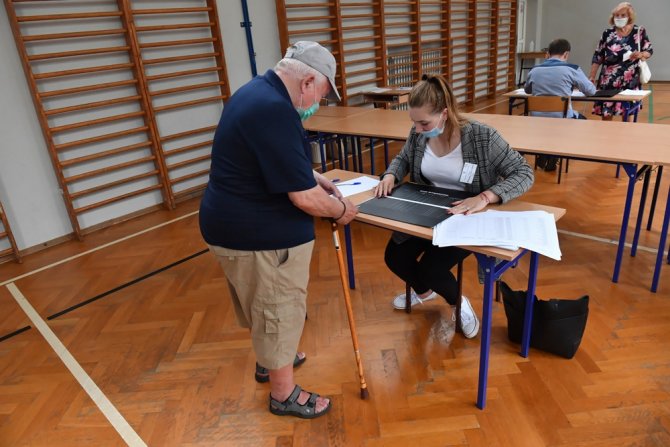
[{"x": 500, "y": 169}]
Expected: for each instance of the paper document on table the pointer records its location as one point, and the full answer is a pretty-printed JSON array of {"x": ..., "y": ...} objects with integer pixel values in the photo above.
[
  {"x": 629, "y": 92},
  {"x": 356, "y": 185},
  {"x": 533, "y": 230},
  {"x": 577, "y": 94},
  {"x": 379, "y": 90},
  {"x": 519, "y": 91}
]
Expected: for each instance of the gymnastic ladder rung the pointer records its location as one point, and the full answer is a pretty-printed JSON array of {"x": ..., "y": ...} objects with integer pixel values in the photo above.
[
  {"x": 70, "y": 121},
  {"x": 7, "y": 235},
  {"x": 175, "y": 81}
]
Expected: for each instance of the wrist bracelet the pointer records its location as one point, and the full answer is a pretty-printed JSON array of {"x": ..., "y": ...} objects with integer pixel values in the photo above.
[
  {"x": 344, "y": 209},
  {"x": 485, "y": 197}
]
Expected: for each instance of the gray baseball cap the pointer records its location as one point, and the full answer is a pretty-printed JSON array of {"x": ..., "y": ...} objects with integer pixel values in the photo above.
[{"x": 317, "y": 57}]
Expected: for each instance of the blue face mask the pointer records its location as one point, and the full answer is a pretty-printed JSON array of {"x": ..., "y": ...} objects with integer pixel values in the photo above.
[
  {"x": 309, "y": 111},
  {"x": 434, "y": 132}
]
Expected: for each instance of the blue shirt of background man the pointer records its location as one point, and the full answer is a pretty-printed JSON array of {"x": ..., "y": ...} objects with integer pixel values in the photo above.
[
  {"x": 557, "y": 78},
  {"x": 259, "y": 155}
]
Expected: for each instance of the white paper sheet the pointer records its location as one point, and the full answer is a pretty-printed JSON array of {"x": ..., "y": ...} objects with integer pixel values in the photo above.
[
  {"x": 355, "y": 185},
  {"x": 534, "y": 230},
  {"x": 519, "y": 91},
  {"x": 379, "y": 90},
  {"x": 628, "y": 92}
]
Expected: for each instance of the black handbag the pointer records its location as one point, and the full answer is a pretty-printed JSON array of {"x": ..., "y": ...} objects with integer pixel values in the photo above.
[{"x": 558, "y": 324}]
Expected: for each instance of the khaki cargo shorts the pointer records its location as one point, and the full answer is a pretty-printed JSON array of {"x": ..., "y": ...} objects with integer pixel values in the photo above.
[{"x": 269, "y": 292}]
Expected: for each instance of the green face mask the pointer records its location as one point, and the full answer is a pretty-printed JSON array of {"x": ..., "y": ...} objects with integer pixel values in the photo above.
[
  {"x": 306, "y": 113},
  {"x": 309, "y": 111}
]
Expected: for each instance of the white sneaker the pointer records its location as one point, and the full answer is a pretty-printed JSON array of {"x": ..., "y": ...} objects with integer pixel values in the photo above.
[
  {"x": 469, "y": 320},
  {"x": 399, "y": 301}
]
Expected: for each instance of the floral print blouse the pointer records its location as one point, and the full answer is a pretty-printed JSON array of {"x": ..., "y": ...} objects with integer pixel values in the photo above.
[{"x": 615, "y": 73}]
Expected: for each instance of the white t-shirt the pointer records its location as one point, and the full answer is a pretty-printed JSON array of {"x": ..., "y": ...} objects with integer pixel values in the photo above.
[{"x": 444, "y": 171}]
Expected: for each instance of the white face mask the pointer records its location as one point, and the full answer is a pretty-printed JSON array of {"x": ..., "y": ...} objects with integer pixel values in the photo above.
[{"x": 620, "y": 23}]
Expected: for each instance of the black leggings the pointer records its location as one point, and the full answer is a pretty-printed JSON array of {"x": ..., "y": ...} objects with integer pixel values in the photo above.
[{"x": 431, "y": 272}]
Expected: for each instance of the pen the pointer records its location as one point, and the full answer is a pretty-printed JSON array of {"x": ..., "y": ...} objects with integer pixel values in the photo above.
[{"x": 349, "y": 184}]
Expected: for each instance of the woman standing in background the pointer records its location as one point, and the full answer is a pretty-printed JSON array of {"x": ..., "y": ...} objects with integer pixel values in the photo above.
[{"x": 618, "y": 54}]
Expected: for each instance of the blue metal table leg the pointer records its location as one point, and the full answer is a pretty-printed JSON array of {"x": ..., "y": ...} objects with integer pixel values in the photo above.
[
  {"x": 654, "y": 196},
  {"x": 360, "y": 154},
  {"x": 322, "y": 151},
  {"x": 661, "y": 246},
  {"x": 530, "y": 299},
  {"x": 631, "y": 172},
  {"x": 488, "y": 263},
  {"x": 372, "y": 156},
  {"x": 350, "y": 256},
  {"x": 640, "y": 214},
  {"x": 386, "y": 154},
  {"x": 354, "y": 153}
]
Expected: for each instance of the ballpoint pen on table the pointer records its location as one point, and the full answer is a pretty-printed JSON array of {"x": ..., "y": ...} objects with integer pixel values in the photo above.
[{"x": 349, "y": 184}]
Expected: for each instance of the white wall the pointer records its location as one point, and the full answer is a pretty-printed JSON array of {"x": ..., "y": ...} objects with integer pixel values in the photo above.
[
  {"x": 28, "y": 187},
  {"x": 582, "y": 23}
]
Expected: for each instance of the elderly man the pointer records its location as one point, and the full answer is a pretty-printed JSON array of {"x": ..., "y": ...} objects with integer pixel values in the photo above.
[
  {"x": 257, "y": 213},
  {"x": 555, "y": 77}
]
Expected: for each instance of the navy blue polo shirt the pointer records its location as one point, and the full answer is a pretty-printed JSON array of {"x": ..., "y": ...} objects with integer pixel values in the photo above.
[{"x": 259, "y": 155}]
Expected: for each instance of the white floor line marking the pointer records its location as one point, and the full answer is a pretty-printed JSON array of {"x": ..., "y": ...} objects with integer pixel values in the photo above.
[
  {"x": 490, "y": 105},
  {"x": 109, "y": 244},
  {"x": 607, "y": 241},
  {"x": 108, "y": 409}
]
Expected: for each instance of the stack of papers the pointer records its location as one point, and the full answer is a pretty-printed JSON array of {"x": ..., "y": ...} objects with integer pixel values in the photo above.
[
  {"x": 629, "y": 92},
  {"x": 533, "y": 230}
]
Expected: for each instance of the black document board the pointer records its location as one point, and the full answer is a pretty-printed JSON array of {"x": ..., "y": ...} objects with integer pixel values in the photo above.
[{"x": 426, "y": 209}]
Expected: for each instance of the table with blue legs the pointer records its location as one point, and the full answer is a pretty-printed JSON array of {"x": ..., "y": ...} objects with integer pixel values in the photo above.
[
  {"x": 486, "y": 257},
  {"x": 630, "y": 103},
  {"x": 636, "y": 147}
]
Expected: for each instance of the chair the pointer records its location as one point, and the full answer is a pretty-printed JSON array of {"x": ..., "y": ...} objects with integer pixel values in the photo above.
[{"x": 549, "y": 104}]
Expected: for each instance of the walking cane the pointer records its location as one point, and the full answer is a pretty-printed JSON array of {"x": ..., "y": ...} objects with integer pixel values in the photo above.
[{"x": 350, "y": 314}]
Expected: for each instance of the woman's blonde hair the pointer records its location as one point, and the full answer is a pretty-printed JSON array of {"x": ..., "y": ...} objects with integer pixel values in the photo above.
[
  {"x": 435, "y": 92},
  {"x": 629, "y": 9}
]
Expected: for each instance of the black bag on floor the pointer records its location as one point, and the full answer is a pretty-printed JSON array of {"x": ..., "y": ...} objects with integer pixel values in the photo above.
[{"x": 558, "y": 324}]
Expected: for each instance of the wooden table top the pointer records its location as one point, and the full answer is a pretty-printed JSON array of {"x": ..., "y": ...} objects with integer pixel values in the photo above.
[
  {"x": 612, "y": 141},
  {"x": 427, "y": 233},
  {"x": 532, "y": 54},
  {"x": 616, "y": 98}
]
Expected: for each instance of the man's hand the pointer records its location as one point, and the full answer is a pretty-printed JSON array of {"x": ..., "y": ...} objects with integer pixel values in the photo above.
[{"x": 326, "y": 184}]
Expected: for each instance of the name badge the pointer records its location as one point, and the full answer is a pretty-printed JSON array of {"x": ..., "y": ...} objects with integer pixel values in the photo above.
[{"x": 468, "y": 173}]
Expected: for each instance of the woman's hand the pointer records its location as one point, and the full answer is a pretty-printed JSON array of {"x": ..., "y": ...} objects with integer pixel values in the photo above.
[
  {"x": 385, "y": 186},
  {"x": 473, "y": 204},
  {"x": 643, "y": 55}
]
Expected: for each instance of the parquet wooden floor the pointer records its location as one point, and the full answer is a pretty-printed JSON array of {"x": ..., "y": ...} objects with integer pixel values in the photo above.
[{"x": 149, "y": 321}]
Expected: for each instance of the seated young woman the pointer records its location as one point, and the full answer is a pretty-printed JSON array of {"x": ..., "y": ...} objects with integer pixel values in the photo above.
[{"x": 447, "y": 150}]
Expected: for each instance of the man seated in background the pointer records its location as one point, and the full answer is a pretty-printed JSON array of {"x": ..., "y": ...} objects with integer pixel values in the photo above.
[{"x": 555, "y": 77}]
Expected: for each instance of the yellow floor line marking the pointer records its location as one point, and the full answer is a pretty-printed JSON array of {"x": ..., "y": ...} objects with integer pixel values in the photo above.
[{"x": 108, "y": 409}]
